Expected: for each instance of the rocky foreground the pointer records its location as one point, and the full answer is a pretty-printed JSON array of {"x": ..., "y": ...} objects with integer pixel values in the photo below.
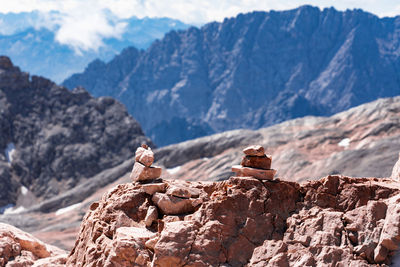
[{"x": 243, "y": 221}]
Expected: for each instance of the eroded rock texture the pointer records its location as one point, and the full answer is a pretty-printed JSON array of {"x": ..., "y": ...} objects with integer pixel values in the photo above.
[
  {"x": 20, "y": 249},
  {"x": 244, "y": 222}
]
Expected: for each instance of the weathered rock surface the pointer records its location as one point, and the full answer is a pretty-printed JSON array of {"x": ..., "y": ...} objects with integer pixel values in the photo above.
[
  {"x": 247, "y": 222},
  {"x": 51, "y": 138},
  {"x": 254, "y": 150},
  {"x": 18, "y": 248},
  {"x": 396, "y": 170}
]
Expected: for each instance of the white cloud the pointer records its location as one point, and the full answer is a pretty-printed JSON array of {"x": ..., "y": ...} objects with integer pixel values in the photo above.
[{"x": 84, "y": 23}]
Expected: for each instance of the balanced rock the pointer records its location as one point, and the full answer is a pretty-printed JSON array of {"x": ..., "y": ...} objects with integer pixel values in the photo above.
[
  {"x": 141, "y": 172},
  {"x": 259, "y": 162},
  {"x": 254, "y": 151},
  {"x": 144, "y": 155},
  {"x": 253, "y": 172},
  {"x": 142, "y": 169},
  {"x": 255, "y": 164}
]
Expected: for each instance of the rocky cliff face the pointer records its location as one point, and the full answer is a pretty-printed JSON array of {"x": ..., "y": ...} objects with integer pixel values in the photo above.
[
  {"x": 242, "y": 221},
  {"x": 252, "y": 71},
  {"x": 52, "y": 139}
]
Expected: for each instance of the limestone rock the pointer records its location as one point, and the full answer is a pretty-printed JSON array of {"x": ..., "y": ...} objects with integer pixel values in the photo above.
[
  {"x": 255, "y": 150},
  {"x": 396, "y": 170},
  {"x": 259, "y": 162},
  {"x": 252, "y": 172},
  {"x": 151, "y": 216},
  {"x": 141, "y": 172}
]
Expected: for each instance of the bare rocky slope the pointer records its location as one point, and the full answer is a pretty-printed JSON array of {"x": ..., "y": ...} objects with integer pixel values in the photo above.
[
  {"x": 53, "y": 139},
  {"x": 361, "y": 142},
  {"x": 252, "y": 71},
  {"x": 243, "y": 221}
]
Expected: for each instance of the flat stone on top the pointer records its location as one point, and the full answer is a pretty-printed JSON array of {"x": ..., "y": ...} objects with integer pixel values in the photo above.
[
  {"x": 252, "y": 172},
  {"x": 255, "y": 150}
]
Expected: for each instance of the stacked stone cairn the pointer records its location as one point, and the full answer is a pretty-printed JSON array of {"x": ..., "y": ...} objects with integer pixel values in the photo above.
[
  {"x": 255, "y": 164},
  {"x": 142, "y": 170},
  {"x": 168, "y": 197}
]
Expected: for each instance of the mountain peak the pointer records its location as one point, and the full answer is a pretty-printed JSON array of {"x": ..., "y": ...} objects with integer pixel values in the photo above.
[{"x": 5, "y": 63}]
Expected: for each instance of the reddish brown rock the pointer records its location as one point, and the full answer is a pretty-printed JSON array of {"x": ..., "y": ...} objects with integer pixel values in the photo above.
[
  {"x": 171, "y": 205},
  {"x": 255, "y": 150},
  {"x": 263, "y": 162},
  {"x": 144, "y": 155},
  {"x": 335, "y": 221},
  {"x": 154, "y": 187},
  {"x": 18, "y": 248},
  {"x": 396, "y": 170},
  {"x": 252, "y": 172},
  {"x": 141, "y": 172},
  {"x": 182, "y": 191},
  {"x": 151, "y": 216}
]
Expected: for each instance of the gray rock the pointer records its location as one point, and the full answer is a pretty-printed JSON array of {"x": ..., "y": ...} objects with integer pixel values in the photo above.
[{"x": 60, "y": 137}]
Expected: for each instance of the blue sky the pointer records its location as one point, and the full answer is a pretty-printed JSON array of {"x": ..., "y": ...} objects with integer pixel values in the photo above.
[{"x": 83, "y": 23}]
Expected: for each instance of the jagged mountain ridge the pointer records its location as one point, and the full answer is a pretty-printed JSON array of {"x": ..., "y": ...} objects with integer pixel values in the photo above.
[
  {"x": 252, "y": 71},
  {"x": 30, "y": 37},
  {"x": 52, "y": 139}
]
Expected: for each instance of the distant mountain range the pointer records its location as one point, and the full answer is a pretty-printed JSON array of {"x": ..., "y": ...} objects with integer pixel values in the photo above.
[
  {"x": 52, "y": 139},
  {"x": 251, "y": 71},
  {"x": 29, "y": 39}
]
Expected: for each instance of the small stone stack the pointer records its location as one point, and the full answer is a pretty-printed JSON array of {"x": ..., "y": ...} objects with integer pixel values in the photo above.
[
  {"x": 142, "y": 169},
  {"x": 255, "y": 164}
]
